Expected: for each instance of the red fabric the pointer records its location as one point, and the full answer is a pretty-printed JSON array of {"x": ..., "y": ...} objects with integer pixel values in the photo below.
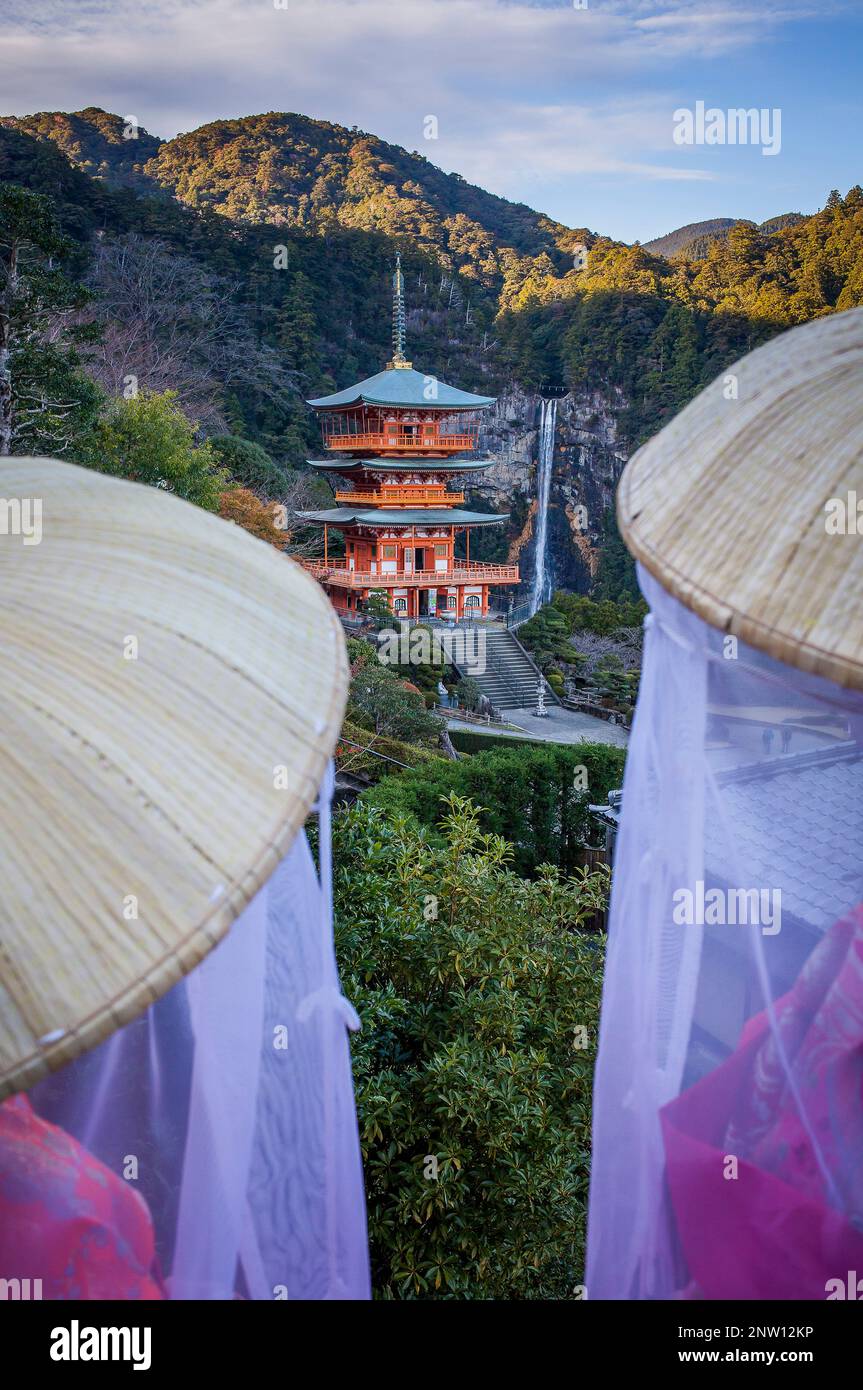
[
  {"x": 66, "y": 1219},
  {"x": 775, "y": 1231}
]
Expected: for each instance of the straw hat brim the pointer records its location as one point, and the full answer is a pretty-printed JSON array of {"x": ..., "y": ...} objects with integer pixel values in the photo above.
[
  {"x": 171, "y": 689},
  {"x": 729, "y": 505}
]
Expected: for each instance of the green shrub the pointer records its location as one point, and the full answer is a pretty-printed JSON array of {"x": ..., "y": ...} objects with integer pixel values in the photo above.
[
  {"x": 149, "y": 440},
  {"x": 469, "y": 693},
  {"x": 423, "y": 674},
  {"x": 602, "y": 616},
  {"x": 534, "y": 795},
  {"x": 379, "y": 698},
  {"x": 377, "y": 608},
  {"x": 352, "y": 755},
  {"x": 473, "y": 741},
  {"x": 360, "y": 652},
  {"x": 615, "y": 683},
  {"x": 251, "y": 466},
  {"x": 479, "y": 998},
  {"x": 546, "y": 636}
]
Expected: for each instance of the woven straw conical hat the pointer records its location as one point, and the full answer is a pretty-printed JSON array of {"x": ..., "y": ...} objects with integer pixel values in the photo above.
[
  {"x": 735, "y": 505},
  {"x": 171, "y": 690}
]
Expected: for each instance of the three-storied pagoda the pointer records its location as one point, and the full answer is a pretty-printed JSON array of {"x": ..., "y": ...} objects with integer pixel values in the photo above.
[{"x": 397, "y": 440}]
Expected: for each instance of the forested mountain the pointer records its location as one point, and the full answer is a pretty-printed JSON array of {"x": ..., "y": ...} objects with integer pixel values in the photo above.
[
  {"x": 692, "y": 241},
  {"x": 100, "y": 144},
  {"x": 675, "y": 241},
  {"x": 284, "y": 169},
  {"x": 247, "y": 265},
  {"x": 659, "y": 330},
  {"x": 322, "y": 304}
]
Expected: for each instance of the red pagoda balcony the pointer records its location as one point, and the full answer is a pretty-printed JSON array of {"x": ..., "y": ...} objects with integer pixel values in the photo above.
[
  {"x": 336, "y": 573},
  {"x": 403, "y": 441},
  {"x": 401, "y": 497}
]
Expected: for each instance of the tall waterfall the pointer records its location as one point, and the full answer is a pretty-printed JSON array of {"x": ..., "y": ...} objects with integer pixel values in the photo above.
[{"x": 542, "y": 582}]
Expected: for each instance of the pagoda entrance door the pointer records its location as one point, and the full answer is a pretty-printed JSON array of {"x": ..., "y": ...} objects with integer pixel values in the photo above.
[
  {"x": 423, "y": 559},
  {"x": 423, "y": 603}
]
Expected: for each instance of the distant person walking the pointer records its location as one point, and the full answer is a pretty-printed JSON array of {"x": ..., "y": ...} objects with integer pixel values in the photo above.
[
  {"x": 786, "y": 740},
  {"x": 767, "y": 740}
]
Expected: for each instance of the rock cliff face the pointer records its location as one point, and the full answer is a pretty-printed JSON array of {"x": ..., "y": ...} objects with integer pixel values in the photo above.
[{"x": 588, "y": 461}]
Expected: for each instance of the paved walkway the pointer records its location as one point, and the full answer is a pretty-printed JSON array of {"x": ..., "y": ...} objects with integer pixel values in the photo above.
[{"x": 561, "y": 726}]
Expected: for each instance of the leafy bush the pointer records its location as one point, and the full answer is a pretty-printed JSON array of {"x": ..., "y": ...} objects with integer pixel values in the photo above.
[
  {"x": 352, "y": 753},
  {"x": 424, "y": 674},
  {"x": 469, "y": 693},
  {"x": 479, "y": 997},
  {"x": 473, "y": 741},
  {"x": 149, "y": 440},
  {"x": 377, "y": 608},
  {"x": 360, "y": 653},
  {"x": 546, "y": 637},
  {"x": 616, "y": 683},
  {"x": 603, "y": 616},
  {"x": 245, "y": 508},
  {"x": 390, "y": 705},
  {"x": 250, "y": 466},
  {"x": 534, "y": 795}
]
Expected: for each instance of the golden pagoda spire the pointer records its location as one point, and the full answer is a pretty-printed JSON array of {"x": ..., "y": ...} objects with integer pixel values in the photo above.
[{"x": 398, "y": 357}]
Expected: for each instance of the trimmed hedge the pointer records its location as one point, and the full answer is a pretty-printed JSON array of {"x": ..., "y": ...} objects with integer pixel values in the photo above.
[
  {"x": 532, "y": 795},
  {"x": 466, "y": 741}
]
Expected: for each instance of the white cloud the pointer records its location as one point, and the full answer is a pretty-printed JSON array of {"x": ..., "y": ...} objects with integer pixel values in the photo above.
[{"x": 524, "y": 93}]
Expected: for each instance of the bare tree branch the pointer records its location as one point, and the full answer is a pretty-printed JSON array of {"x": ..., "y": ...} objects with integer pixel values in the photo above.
[{"x": 172, "y": 325}]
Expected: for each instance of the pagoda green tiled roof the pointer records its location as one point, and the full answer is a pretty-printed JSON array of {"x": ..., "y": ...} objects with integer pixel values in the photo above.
[
  {"x": 401, "y": 465},
  {"x": 403, "y": 386},
  {"x": 403, "y": 516}
]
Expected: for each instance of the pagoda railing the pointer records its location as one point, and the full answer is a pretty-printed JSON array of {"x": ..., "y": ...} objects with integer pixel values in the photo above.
[
  {"x": 409, "y": 496},
  {"x": 463, "y": 572},
  {"x": 424, "y": 444}
]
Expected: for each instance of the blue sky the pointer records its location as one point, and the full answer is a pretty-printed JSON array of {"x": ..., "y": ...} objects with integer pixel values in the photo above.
[{"x": 568, "y": 109}]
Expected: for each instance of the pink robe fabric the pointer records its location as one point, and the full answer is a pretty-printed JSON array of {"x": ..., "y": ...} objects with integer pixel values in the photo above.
[
  {"x": 783, "y": 1227},
  {"x": 68, "y": 1224}
]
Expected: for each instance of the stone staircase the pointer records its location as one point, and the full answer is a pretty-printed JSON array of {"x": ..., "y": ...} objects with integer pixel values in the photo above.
[{"x": 510, "y": 679}]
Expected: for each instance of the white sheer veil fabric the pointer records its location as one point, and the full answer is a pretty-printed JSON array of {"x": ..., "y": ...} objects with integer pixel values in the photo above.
[
  {"x": 728, "y": 1039},
  {"x": 651, "y": 968},
  {"x": 230, "y": 1104}
]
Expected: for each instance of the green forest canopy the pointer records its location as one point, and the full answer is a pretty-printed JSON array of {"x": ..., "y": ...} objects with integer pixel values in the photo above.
[{"x": 296, "y": 221}]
